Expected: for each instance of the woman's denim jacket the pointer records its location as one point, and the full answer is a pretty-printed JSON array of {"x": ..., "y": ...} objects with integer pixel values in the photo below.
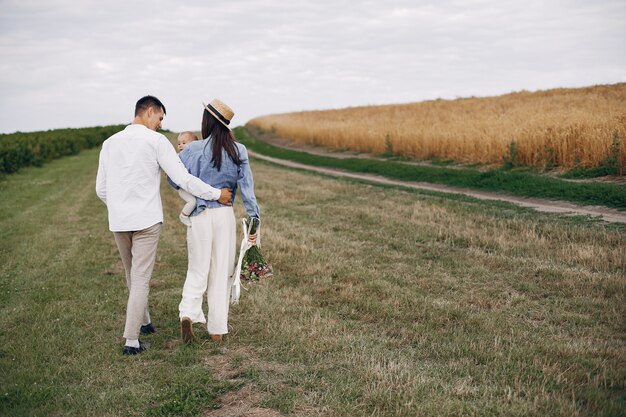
[{"x": 197, "y": 157}]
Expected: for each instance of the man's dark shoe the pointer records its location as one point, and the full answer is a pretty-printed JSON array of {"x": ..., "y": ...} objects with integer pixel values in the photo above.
[
  {"x": 148, "y": 329},
  {"x": 129, "y": 350}
]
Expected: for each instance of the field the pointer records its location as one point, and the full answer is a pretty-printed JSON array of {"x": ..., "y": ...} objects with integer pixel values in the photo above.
[
  {"x": 563, "y": 128},
  {"x": 518, "y": 181},
  {"x": 384, "y": 303}
]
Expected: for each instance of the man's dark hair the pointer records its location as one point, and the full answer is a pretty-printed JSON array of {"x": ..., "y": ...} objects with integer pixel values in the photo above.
[{"x": 146, "y": 102}]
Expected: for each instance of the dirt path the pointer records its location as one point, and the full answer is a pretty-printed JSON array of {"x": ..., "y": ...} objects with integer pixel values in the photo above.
[{"x": 551, "y": 206}]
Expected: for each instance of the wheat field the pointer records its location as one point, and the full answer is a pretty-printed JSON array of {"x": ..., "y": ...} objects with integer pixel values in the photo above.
[{"x": 565, "y": 128}]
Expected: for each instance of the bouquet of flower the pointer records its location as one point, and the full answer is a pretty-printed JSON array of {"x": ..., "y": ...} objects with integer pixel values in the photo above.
[
  {"x": 254, "y": 266},
  {"x": 251, "y": 265}
]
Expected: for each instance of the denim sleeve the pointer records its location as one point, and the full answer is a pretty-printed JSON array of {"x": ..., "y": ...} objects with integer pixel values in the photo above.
[
  {"x": 170, "y": 182},
  {"x": 246, "y": 184}
]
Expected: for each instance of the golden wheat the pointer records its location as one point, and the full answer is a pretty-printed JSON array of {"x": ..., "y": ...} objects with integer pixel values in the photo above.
[{"x": 555, "y": 128}]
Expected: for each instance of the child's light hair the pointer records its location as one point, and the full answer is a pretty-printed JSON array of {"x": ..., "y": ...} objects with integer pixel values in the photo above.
[
  {"x": 192, "y": 136},
  {"x": 184, "y": 138}
]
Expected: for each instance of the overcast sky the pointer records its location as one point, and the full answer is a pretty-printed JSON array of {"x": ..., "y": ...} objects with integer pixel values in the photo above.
[{"x": 84, "y": 63}]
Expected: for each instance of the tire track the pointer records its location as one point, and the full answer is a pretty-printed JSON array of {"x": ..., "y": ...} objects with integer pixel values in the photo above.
[{"x": 550, "y": 206}]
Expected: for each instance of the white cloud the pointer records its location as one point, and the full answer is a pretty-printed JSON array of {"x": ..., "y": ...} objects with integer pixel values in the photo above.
[{"x": 68, "y": 63}]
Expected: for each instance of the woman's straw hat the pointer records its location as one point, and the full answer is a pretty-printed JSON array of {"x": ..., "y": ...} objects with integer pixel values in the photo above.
[{"x": 221, "y": 111}]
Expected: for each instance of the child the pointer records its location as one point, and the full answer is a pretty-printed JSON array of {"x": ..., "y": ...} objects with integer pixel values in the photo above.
[{"x": 190, "y": 200}]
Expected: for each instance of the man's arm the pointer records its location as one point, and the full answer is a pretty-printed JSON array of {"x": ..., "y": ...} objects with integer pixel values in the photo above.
[
  {"x": 101, "y": 180},
  {"x": 174, "y": 168}
]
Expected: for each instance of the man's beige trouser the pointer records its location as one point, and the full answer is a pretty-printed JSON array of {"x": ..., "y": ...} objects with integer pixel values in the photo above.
[{"x": 138, "y": 252}]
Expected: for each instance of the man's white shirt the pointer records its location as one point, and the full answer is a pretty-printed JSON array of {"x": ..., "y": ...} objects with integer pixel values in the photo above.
[{"x": 129, "y": 177}]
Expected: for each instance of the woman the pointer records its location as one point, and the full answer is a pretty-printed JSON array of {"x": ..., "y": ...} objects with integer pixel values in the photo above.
[{"x": 220, "y": 161}]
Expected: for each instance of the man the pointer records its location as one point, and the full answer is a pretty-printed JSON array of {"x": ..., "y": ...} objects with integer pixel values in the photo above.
[{"x": 128, "y": 182}]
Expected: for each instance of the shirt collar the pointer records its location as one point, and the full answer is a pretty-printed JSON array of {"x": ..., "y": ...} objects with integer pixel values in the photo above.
[{"x": 135, "y": 126}]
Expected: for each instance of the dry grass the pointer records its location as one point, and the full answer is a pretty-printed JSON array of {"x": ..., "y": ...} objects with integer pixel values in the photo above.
[
  {"x": 395, "y": 303},
  {"x": 383, "y": 303},
  {"x": 556, "y": 128}
]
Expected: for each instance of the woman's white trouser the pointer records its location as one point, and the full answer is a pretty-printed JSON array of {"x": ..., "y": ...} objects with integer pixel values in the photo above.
[{"x": 211, "y": 248}]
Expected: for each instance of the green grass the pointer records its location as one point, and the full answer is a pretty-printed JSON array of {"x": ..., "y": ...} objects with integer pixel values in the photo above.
[
  {"x": 514, "y": 182},
  {"x": 63, "y": 302},
  {"x": 579, "y": 173},
  {"x": 442, "y": 162},
  {"x": 384, "y": 302}
]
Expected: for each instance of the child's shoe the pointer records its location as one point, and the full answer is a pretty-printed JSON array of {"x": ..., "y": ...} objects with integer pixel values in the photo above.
[{"x": 185, "y": 220}]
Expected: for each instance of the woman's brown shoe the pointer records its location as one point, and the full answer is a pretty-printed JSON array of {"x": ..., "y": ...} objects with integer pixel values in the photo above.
[
  {"x": 186, "y": 329},
  {"x": 216, "y": 337}
]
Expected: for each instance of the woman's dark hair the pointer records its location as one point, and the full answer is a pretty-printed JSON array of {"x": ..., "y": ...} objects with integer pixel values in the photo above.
[{"x": 222, "y": 139}]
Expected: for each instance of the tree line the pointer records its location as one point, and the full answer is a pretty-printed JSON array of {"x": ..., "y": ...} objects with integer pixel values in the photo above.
[{"x": 21, "y": 149}]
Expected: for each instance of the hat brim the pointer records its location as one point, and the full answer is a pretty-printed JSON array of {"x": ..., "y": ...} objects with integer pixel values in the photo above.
[{"x": 218, "y": 116}]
